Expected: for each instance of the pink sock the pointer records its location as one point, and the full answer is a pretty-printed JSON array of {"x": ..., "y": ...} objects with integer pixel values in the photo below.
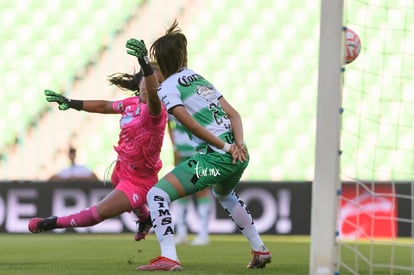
[
  {"x": 142, "y": 212},
  {"x": 87, "y": 217}
]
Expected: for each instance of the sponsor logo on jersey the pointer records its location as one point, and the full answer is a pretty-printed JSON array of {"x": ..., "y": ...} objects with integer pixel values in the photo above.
[{"x": 186, "y": 81}]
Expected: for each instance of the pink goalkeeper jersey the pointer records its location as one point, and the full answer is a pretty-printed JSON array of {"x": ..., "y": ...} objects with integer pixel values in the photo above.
[{"x": 141, "y": 152}]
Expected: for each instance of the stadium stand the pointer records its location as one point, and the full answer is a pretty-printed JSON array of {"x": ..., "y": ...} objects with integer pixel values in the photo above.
[
  {"x": 42, "y": 50},
  {"x": 47, "y": 44},
  {"x": 249, "y": 53}
]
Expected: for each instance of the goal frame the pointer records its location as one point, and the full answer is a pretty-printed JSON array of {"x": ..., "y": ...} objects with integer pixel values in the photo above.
[{"x": 326, "y": 184}]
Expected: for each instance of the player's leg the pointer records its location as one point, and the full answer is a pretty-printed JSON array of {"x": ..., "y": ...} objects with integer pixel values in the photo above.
[
  {"x": 138, "y": 203},
  {"x": 159, "y": 198},
  {"x": 241, "y": 216},
  {"x": 174, "y": 185},
  {"x": 141, "y": 212},
  {"x": 181, "y": 229},
  {"x": 204, "y": 203},
  {"x": 115, "y": 203},
  {"x": 235, "y": 207},
  {"x": 118, "y": 201},
  {"x": 181, "y": 209},
  {"x": 144, "y": 223}
]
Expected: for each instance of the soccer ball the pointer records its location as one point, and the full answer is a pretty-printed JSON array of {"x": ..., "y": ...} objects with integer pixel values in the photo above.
[{"x": 352, "y": 45}]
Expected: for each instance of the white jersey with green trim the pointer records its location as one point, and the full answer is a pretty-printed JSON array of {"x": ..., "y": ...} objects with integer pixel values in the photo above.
[{"x": 201, "y": 99}]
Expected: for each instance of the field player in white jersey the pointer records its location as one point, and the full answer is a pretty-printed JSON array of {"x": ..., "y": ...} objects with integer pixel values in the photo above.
[
  {"x": 217, "y": 135},
  {"x": 183, "y": 150}
]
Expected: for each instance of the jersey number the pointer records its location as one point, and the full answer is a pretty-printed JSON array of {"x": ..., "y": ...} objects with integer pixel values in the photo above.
[{"x": 215, "y": 110}]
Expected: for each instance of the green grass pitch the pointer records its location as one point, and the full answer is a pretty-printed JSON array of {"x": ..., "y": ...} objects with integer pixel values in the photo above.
[{"x": 71, "y": 253}]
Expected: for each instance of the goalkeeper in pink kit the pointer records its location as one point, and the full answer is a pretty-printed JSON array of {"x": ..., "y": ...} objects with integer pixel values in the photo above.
[{"x": 143, "y": 121}]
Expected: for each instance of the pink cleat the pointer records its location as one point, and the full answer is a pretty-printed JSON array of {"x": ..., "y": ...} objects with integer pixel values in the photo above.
[
  {"x": 161, "y": 263},
  {"x": 260, "y": 258}
]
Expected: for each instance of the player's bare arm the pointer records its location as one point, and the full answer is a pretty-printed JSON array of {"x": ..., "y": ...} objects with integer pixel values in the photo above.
[
  {"x": 138, "y": 49},
  {"x": 98, "y": 106},
  {"x": 182, "y": 115},
  {"x": 236, "y": 122},
  {"x": 153, "y": 101}
]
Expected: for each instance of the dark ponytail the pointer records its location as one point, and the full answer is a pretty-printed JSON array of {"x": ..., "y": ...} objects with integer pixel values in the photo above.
[{"x": 126, "y": 81}]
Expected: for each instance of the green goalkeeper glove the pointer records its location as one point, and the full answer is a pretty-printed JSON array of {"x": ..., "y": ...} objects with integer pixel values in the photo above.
[
  {"x": 64, "y": 102},
  {"x": 139, "y": 50}
]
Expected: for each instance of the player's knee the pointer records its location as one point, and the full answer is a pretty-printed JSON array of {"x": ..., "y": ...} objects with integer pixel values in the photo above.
[
  {"x": 156, "y": 194},
  {"x": 218, "y": 196},
  {"x": 221, "y": 197},
  {"x": 228, "y": 201}
]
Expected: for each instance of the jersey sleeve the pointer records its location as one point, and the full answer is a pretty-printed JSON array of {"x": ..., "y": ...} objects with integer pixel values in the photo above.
[
  {"x": 169, "y": 97},
  {"x": 118, "y": 106},
  {"x": 218, "y": 94}
]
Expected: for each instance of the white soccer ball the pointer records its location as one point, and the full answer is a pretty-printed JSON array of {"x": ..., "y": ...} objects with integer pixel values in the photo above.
[{"x": 352, "y": 45}]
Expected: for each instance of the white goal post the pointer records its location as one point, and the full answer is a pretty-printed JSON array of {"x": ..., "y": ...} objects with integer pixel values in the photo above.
[
  {"x": 362, "y": 194},
  {"x": 325, "y": 199}
]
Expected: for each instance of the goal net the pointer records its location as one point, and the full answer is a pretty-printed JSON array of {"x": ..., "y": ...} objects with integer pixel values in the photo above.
[{"x": 375, "y": 221}]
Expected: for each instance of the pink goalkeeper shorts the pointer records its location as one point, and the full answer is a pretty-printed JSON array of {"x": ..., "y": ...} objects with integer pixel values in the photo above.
[{"x": 132, "y": 185}]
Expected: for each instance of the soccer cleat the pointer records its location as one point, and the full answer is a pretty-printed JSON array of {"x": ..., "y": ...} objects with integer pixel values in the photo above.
[
  {"x": 161, "y": 263},
  {"x": 37, "y": 225},
  {"x": 143, "y": 229},
  {"x": 260, "y": 258}
]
